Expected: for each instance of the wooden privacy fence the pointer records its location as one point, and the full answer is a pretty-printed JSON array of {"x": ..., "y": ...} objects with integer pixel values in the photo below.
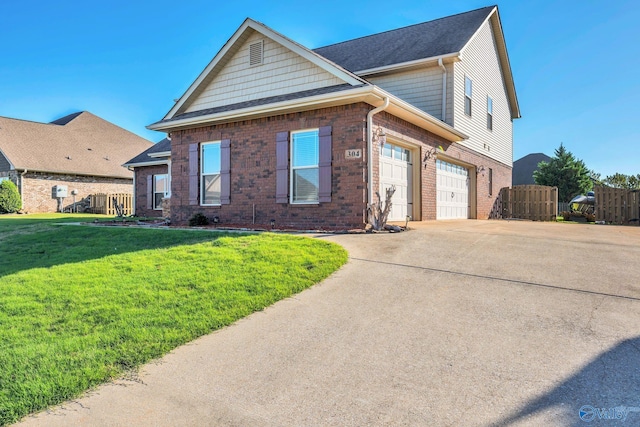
[
  {"x": 617, "y": 205},
  {"x": 532, "y": 202},
  {"x": 110, "y": 204}
]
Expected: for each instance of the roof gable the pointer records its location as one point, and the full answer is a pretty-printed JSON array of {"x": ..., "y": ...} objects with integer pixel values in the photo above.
[
  {"x": 503, "y": 56},
  {"x": 421, "y": 41},
  {"x": 152, "y": 155},
  {"x": 79, "y": 144},
  {"x": 205, "y": 91}
]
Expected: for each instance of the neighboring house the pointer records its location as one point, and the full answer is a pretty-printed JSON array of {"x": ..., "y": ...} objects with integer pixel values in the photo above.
[
  {"x": 273, "y": 131},
  {"x": 151, "y": 178},
  {"x": 80, "y": 152},
  {"x": 524, "y": 167}
]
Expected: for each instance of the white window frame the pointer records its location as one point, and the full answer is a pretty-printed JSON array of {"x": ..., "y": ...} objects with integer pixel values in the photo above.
[
  {"x": 489, "y": 113},
  {"x": 203, "y": 175},
  {"x": 468, "y": 95},
  {"x": 294, "y": 168},
  {"x": 154, "y": 191}
]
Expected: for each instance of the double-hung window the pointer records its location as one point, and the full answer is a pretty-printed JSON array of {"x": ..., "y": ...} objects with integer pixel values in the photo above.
[
  {"x": 160, "y": 189},
  {"x": 210, "y": 174},
  {"x": 468, "y": 90},
  {"x": 489, "y": 113},
  {"x": 305, "y": 176}
]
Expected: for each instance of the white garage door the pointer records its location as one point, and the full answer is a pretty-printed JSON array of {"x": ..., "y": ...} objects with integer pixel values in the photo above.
[
  {"x": 395, "y": 169},
  {"x": 452, "y": 189}
]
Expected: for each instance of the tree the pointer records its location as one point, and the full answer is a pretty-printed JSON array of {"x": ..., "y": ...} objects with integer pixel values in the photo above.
[
  {"x": 570, "y": 175},
  {"x": 620, "y": 180},
  {"x": 10, "y": 200}
]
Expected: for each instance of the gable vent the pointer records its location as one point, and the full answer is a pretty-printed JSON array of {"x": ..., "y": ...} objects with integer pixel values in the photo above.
[{"x": 255, "y": 54}]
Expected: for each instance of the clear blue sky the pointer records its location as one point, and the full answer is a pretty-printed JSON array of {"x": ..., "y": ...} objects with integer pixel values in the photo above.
[{"x": 575, "y": 63}]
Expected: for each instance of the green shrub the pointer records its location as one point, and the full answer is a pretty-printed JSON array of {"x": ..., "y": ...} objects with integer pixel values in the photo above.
[
  {"x": 10, "y": 200},
  {"x": 198, "y": 219}
]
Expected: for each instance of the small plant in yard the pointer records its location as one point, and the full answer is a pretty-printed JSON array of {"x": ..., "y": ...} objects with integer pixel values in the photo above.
[
  {"x": 82, "y": 305},
  {"x": 198, "y": 219},
  {"x": 10, "y": 200}
]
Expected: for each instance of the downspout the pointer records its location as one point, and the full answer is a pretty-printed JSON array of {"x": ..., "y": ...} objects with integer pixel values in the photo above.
[
  {"x": 370, "y": 115},
  {"x": 133, "y": 201},
  {"x": 444, "y": 90},
  {"x": 24, "y": 172}
]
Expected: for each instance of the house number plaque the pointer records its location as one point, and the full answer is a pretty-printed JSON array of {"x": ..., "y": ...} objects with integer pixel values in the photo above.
[{"x": 353, "y": 154}]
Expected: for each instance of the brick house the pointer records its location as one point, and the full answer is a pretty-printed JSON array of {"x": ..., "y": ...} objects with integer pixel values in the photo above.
[
  {"x": 273, "y": 131},
  {"x": 151, "y": 179},
  {"x": 80, "y": 152}
]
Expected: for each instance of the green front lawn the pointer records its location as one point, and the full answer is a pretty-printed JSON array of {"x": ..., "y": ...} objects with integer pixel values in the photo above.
[{"x": 82, "y": 305}]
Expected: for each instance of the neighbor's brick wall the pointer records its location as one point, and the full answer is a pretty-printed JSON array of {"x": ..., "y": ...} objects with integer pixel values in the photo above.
[
  {"x": 141, "y": 189},
  {"x": 253, "y": 171},
  {"x": 400, "y": 130},
  {"x": 37, "y": 189}
]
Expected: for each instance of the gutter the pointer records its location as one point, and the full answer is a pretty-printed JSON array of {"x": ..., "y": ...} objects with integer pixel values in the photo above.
[
  {"x": 444, "y": 89},
  {"x": 359, "y": 92},
  {"x": 409, "y": 64},
  {"x": 370, "y": 115}
]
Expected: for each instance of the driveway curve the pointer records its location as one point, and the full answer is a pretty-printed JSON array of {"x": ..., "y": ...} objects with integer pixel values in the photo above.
[{"x": 461, "y": 323}]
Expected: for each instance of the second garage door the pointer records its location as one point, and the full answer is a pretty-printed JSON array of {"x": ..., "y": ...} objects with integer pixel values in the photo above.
[{"x": 452, "y": 188}]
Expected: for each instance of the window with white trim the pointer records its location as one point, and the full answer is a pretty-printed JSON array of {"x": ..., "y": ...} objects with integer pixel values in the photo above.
[
  {"x": 160, "y": 190},
  {"x": 468, "y": 91},
  {"x": 489, "y": 113},
  {"x": 210, "y": 174},
  {"x": 305, "y": 176}
]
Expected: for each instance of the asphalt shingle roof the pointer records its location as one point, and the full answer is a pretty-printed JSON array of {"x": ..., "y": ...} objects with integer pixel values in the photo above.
[
  {"x": 144, "y": 157},
  {"x": 434, "y": 38},
  {"x": 524, "y": 167},
  {"x": 80, "y": 144},
  {"x": 261, "y": 101}
]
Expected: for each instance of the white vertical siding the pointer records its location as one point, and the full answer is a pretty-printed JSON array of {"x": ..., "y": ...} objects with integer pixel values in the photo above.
[
  {"x": 421, "y": 88},
  {"x": 480, "y": 62},
  {"x": 282, "y": 72}
]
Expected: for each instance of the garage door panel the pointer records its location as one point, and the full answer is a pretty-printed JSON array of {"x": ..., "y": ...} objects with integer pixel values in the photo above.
[
  {"x": 395, "y": 169},
  {"x": 452, "y": 189}
]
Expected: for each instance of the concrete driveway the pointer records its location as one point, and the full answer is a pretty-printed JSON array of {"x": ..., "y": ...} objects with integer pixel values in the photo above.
[{"x": 465, "y": 323}]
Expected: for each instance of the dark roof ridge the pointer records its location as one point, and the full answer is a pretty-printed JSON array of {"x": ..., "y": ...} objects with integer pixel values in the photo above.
[
  {"x": 405, "y": 27},
  {"x": 66, "y": 119}
]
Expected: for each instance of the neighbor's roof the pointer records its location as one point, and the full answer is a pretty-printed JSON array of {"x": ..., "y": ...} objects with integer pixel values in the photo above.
[
  {"x": 524, "y": 167},
  {"x": 79, "y": 144},
  {"x": 158, "y": 153},
  {"x": 427, "y": 40}
]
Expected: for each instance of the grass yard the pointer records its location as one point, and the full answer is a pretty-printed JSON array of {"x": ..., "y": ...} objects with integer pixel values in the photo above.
[{"x": 82, "y": 305}]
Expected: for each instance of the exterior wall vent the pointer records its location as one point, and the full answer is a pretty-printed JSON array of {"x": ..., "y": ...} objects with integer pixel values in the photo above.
[{"x": 256, "y": 53}]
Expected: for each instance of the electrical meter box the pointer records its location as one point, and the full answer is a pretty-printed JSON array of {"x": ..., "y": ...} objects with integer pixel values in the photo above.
[{"x": 60, "y": 191}]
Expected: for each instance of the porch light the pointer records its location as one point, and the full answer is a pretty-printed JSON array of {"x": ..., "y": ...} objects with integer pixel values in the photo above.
[{"x": 379, "y": 135}]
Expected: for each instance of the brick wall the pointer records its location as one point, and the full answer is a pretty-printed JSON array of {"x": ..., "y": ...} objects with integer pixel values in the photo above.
[
  {"x": 37, "y": 189},
  {"x": 428, "y": 145},
  {"x": 141, "y": 192},
  {"x": 253, "y": 171}
]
